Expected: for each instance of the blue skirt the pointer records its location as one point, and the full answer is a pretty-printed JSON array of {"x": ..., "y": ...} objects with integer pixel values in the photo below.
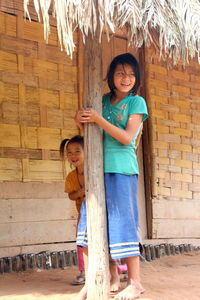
[{"x": 122, "y": 216}]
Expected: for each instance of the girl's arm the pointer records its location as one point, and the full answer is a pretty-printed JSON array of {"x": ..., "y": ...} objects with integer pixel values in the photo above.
[
  {"x": 76, "y": 195},
  {"x": 125, "y": 137},
  {"x": 79, "y": 125}
]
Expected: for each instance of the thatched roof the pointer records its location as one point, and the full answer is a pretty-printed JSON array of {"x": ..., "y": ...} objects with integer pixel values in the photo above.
[{"x": 175, "y": 22}]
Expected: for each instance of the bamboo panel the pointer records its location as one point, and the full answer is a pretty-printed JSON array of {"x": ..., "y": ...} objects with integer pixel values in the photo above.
[
  {"x": 11, "y": 92},
  {"x": 19, "y": 46},
  {"x": 54, "y": 54},
  {"x": 10, "y": 113},
  {"x": 70, "y": 72},
  {"x": 48, "y": 138},
  {"x": 9, "y": 135},
  {"x": 32, "y": 95},
  {"x": 20, "y": 153},
  {"x": 69, "y": 101},
  {"x": 35, "y": 210},
  {"x": 10, "y": 169},
  {"x": 54, "y": 118},
  {"x": 33, "y": 31},
  {"x": 45, "y": 170},
  {"x": 31, "y": 138},
  {"x": 2, "y": 23},
  {"x": 8, "y": 61},
  {"x": 30, "y": 115},
  {"x": 19, "y": 78},
  {"x": 69, "y": 120},
  {"x": 57, "y": 85},
  {"x": 25, "y": 233},
  {"x": 49, "y": 98},
  {"x": 45, "y": 69},
  {"x": 11, "y": 25}
]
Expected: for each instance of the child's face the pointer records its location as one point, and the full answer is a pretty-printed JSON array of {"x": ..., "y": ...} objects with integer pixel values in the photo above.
[
  {"x": 124, "y": 78},
  {"x": 75, "y": 154}
]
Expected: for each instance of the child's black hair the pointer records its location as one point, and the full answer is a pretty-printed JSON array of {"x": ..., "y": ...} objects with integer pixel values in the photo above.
[
  {"x": 123, "y": 59},
  {"x": 75, "y": 139}
]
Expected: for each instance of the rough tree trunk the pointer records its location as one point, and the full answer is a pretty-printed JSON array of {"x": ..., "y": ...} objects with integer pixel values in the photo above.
[{"x": 98, "y": 274}]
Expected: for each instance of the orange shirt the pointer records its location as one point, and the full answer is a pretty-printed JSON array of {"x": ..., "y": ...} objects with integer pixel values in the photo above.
[{"x": 72, "y": 185}]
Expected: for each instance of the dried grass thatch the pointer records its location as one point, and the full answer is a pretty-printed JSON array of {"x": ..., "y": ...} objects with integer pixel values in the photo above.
[{"x": 176, "y": 22}]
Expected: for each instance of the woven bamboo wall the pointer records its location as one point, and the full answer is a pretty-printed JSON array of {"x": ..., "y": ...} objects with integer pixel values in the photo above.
[{"x": 38, "y": 100}]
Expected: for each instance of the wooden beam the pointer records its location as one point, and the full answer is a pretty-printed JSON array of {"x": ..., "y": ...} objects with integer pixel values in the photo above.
[{"x": 98, "y": 274}]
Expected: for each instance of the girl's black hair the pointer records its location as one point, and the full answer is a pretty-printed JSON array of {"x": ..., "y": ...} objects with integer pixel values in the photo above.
[
  {"x": 123, "y": 59},
  {"x": 75, "y": 139}
]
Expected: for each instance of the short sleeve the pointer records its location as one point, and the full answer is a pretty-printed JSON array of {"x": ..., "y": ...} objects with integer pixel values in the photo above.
[
  {"x": 137, "y": 105},
  {"x": 69, "y": 184}
]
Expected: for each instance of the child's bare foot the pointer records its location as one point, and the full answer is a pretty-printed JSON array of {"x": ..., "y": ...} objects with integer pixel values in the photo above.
[
  {"x": 132, "y": 291},
  {"x": 82, "y": 295},
  {"x": 114, "y": 283}
]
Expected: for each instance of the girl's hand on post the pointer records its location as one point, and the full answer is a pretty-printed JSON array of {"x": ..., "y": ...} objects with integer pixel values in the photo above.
[{"x": 87, "y": 115}]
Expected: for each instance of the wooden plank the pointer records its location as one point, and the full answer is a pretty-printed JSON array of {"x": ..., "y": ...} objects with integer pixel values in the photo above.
[
  {"x": 35, "y": 210},
  {"x": 9, "y": 135},
  {"x": 169, "y": 228},
  {"x": 98, "y": 275},
  {"x": 26, "y": 233},
  {"x": 10, "y": 169},
  {"x": 32, "y": 190},
  {"x": 171, "y": 209},
  {"x": 14, "y": 250}
]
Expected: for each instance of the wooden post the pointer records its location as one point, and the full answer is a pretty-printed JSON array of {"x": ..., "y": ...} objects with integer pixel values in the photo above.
[{"x": 98, "y": 273}]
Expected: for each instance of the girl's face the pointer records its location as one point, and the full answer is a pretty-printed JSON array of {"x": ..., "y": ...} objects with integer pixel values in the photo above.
[
  {"x": 75, "y": 154},
  {"x": 124, "y": 78}
]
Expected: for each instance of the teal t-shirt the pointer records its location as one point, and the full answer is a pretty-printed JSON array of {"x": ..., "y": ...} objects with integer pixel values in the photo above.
[{"x": 120, "y": 158}]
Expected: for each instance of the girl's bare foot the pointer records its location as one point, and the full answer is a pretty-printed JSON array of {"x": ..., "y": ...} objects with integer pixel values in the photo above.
[
  {"x": 132, "y": 291},
  {"x": 114, "y": 283},
  {"x": 82, "y": 295}
]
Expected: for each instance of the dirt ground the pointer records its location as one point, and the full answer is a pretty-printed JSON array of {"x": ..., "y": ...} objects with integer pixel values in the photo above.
[{"x": 168, "y": 278}]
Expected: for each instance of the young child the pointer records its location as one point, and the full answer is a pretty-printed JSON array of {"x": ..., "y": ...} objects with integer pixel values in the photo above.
[
  {"x": 74, "y": 186},
  {"x": 123, "y": 114}
]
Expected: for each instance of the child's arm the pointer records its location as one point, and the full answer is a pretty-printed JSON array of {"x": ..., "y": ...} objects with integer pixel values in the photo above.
[
  {"x": 79, "y": 124},
  {"x": 137, "y": 142},
  {"x": 125, "y": 137},
  {"x": 76, "y": 195}
]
